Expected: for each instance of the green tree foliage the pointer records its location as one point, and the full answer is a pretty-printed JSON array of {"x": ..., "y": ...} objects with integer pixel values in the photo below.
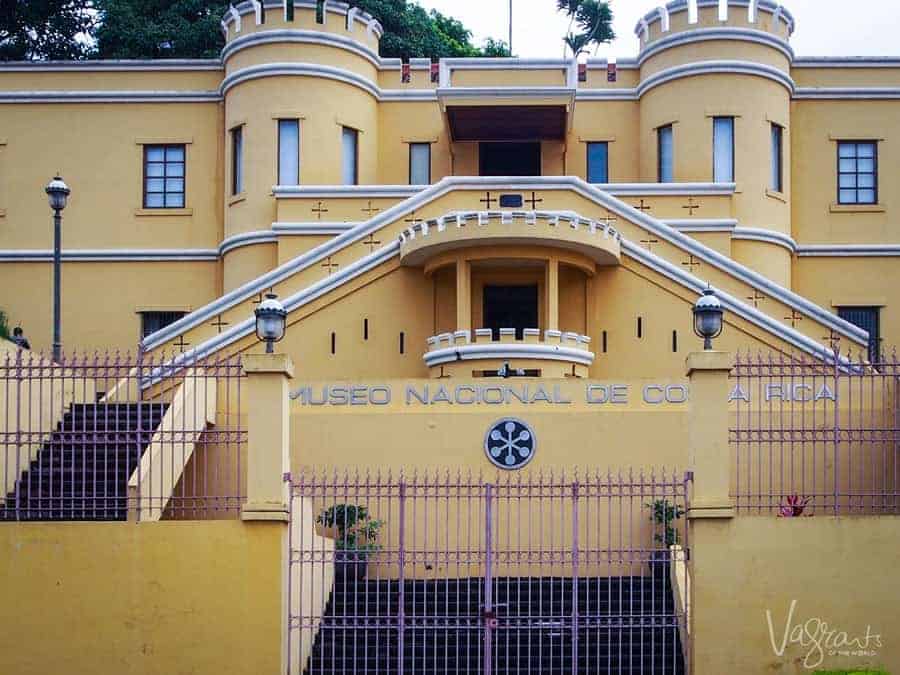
[
  {"x": 130, "y": 29},
  {"x": 154, "y": 29},
  {"x": 44, "y": 29},
  {"x": 593, "y": 18}
]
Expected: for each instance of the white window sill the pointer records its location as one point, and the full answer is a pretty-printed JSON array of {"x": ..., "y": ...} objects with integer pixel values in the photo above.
[
  {"x": 234, "y": 199},
  {"x": 857, "y": 208},
  {"x": 774, "y": 194},
  {"x": 164, "y": 212}
]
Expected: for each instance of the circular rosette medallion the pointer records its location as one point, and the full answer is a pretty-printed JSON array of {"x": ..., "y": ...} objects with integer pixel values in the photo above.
[{"x": 510, "y": 443}]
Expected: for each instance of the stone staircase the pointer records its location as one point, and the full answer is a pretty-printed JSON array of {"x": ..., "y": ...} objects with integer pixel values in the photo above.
[
  {"x": 626, "y": 625},
  {"x": 81, "y": 472}
]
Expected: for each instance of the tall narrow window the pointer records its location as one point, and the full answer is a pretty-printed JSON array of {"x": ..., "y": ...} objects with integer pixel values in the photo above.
[
  {"x": 857, "y": 172},
  {"x": 163, "y": 176},
  {"x": 776, "y": 181},
  {"x": 288, "y": 152},
  {"x": 869, "y": 319},
  {"x": 665, "y": 153},
  {"x": 237, "y": 160},
  {"x": 350, "y": 152},
  {"x": 723, "y": 149},
  {"x": 598, "y": 162},
  {"x": 419, "y": 163}
]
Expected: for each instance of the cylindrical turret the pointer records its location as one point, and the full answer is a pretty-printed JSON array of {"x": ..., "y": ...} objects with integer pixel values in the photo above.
[
  {"x": 299, "y": 93},
  {"x": 722, "y": 71}
]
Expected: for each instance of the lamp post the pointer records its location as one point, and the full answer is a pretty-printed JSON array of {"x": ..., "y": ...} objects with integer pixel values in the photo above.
[
  {"x": 708, "y": 318},
  {"x": 271, "y": 317},
  {"x": 57, "y": 194}
]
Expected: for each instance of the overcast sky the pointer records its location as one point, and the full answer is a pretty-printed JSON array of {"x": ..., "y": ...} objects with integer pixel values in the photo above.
[{"x": 824, "y": 27}]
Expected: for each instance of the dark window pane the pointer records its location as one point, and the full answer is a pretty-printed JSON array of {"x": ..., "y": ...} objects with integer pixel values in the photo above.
[
  {"x": 867, "y": 318},
  {"x": 154, "y": 321}
]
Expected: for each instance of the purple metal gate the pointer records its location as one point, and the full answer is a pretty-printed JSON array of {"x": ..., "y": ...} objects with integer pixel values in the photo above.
[{"x": 507, "y": 573}]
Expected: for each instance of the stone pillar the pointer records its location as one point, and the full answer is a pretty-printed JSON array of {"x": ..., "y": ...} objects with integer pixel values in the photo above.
[
  {"x": 710, "y": 457},
  {"x": 710, "y": 511},
  {"x": 551, "y": 287},
  {"x": 463, "y": 294},
  {"x": 268, "y": 429}
]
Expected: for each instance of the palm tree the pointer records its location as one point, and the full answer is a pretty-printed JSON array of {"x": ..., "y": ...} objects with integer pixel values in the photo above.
[{"x": 594, "y": 19}]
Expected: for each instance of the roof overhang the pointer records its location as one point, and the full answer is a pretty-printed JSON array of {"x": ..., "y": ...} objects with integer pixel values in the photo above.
[{"x": 507, "y": 113}]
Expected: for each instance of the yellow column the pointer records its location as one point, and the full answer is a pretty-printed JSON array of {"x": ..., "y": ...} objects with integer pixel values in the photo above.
[
  {"x": 552, "y": 294},
  {"x": 463, "y": 294},
  {"x": 711, "y": 510},
  {"x": 268, "y": 431},
  {"x": 710, "y": 458}
]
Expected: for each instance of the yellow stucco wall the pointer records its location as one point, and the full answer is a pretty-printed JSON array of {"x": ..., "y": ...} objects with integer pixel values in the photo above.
[
  {"x": 162, "y": 597},
  {"x": 837, "y": 572}
]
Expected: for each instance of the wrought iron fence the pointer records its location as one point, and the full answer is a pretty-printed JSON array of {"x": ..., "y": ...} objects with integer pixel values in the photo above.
[
  {"x": 117, "y": 436},
  {"x": 450, "y": 572},
  {"x": 815, "y": 436}
]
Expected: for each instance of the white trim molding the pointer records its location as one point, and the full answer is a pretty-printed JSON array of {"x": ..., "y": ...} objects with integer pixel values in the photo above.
[
  {"x": 702, "y": 224},
  {"x": 847, "y": 93},
  {"x": 346, "y": 191},
  {"x": 731, "y": 67},
  {"x": 299, "y": 69},
  {"x": 768, "y": 236},
  {"x": 849, "y": 251},
  {"x": 452, "y": 183},
  {"x": 311, "y": 228},
  {"x": 508, "y": 350},
  {"x": 111, "y": 65},
  {"x": 717, "y": 33},
  {"x": 246, "y": 239},
  {"x": 110, "y": 96},
  {"x": 847, "y": 62},
  {"x": 301, "y": 36},
  {"x": 112, "y": 255}
]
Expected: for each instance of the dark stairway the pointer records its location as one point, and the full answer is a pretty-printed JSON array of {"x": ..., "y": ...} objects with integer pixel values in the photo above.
[
  {"x": 81, "y": 472},
  {"x": 626, "y": 625}
]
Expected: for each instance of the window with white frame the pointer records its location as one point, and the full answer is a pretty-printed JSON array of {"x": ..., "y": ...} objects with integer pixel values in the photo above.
[
  {"x": 857, "y": 172},
  {"x": 723, "y": 149},
  {"x": 237, "y": 160},
  {"x": 419, "y": 163},
  {"x": 164, "y": 176},
  {"x": 665, "y": 154},
  {"x": 289, "y": 152},
  {"x": 776, "y": 179},
  {"x": 350, "y": 155}
]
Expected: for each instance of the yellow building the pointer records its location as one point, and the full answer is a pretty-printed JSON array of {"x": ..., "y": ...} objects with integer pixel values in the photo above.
[{"x": 430, "y": 230}]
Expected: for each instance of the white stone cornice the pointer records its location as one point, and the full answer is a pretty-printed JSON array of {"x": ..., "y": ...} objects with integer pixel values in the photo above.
[
  {"x": 716, "y": 33},
  {"x": 847, "y": 62},
  {"x": 724, "y": 66},
  {"x": 702, "y": 224},
  {"x": 111, "y": 255},
  {"x": 768, "y": 236},
  {"x": 111, "y": 65},
  {"x": 300, "y": 36},
  {"x": 314, "y": 227},
  {"x": 847, "y": 93},
  {"x": 246, "y": 239},
  {"x": 848, "y": 250},
  {"x": 107, "y": 96},
  {"x": 299, "y": 69}
]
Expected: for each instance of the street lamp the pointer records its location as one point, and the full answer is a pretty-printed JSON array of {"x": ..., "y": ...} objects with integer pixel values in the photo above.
[
  {"x": 271, "y": 317},
  {"x": 708, "y": 317},
  {"x": 57, "y": 194}
]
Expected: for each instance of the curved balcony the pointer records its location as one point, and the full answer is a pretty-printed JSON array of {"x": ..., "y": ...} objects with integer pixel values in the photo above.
[
  {"x": 595, "y": 239},
  {"x": 465, "y": 353}
]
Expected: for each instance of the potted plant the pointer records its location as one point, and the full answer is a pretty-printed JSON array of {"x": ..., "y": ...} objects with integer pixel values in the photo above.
[
  {"x": 663, "y": 514},
  {"x": 356, "y": 535}
]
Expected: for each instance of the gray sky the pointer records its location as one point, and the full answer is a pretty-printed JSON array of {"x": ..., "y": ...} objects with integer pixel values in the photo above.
[{"x": 824, "y": 27}]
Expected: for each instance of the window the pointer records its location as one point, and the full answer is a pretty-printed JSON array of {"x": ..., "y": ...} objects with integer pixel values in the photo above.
[
  {"x": 857, "y": 172},
  {"x": 237, "y": 160},
  {"x": 723, "y": 149},
  {"x": 869, "y": 320},
  {"x": 598, "y": 162},
  {"x": 510, "y": 307},
  {"x": 665, "y": 153},
  {"x": 776, "y": 181},
  {"x": 154, "y": 321},
  {"x": 419, "y": 163},
  {"x": 288, "y": 152},
  {"x": 350, "y": 156},
  {"x": 164, "y": 176}
]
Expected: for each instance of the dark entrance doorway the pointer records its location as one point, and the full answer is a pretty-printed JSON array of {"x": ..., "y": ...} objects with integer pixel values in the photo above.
[
  {"x": 509, "y": 159},
  {"x": 510, "y": 307}
]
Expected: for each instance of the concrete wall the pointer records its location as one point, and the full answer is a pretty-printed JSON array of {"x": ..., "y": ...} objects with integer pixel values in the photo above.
[
  {"x": 200, "y": 597},
  {"x": 839, "y": 572}
]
